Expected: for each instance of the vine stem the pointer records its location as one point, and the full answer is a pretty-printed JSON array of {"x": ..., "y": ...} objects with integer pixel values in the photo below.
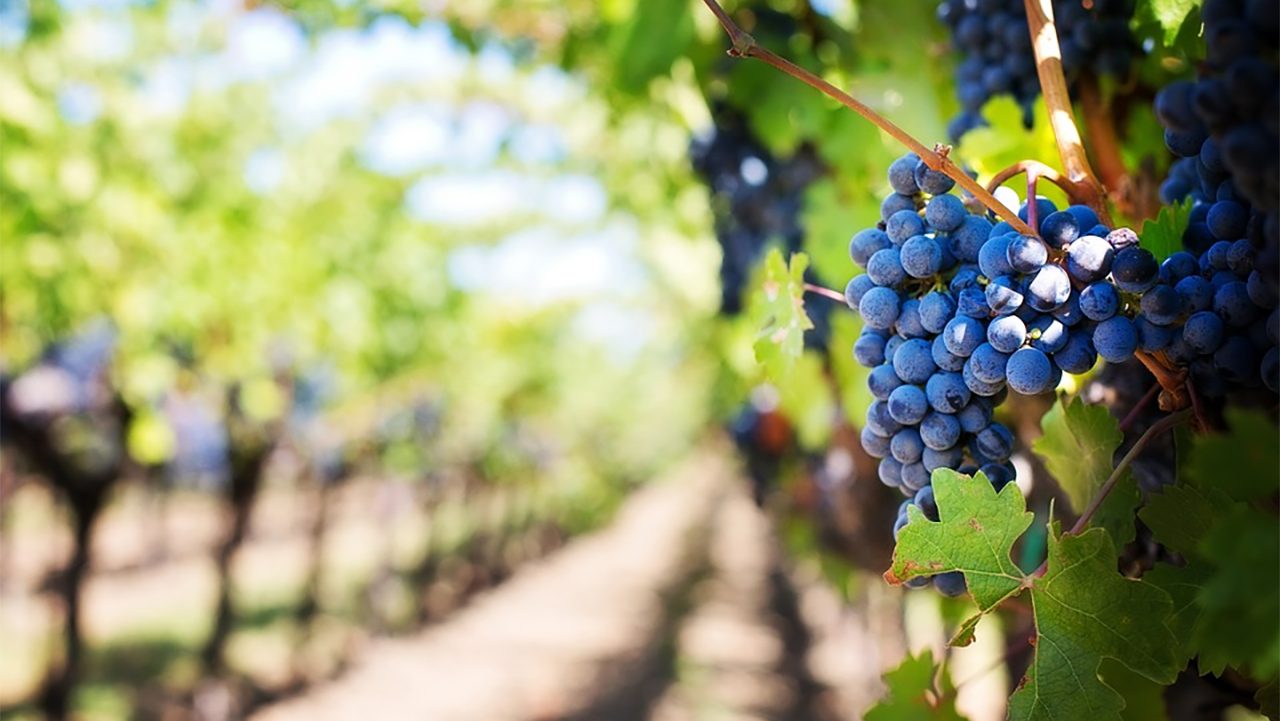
[
  {"x": 936, "y": 158},
  {"x": 1156, "y": 429},
  {"x": 1146, "y": 398},
  {"x": 1106, "y": 148},
  {"x": 825, "y": 292},
  {"x": 1075, "y": 192},
  {"x": 1053, "y": 86}
]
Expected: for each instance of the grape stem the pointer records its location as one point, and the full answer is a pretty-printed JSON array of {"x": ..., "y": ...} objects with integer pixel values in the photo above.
[
  {"x": 825, "y": 292},
  {"x": 1174, "y": 382},
  {"x": 745, "y": 46},
  {"x": 1053, "y": 86},
  {"x": 1076, "y": 193}
]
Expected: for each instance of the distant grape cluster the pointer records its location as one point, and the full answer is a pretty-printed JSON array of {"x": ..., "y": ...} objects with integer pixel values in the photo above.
[
  {"x": 1225, "y": 129},
  {"x": 994, "y": 40},
  {"x": 958, "y": 311}
]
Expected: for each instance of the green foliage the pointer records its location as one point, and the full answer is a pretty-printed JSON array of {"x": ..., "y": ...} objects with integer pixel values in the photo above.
[
  {"x": 779, "y": 313},
  {"x": 1170, "y": 16},
  {"x": 805, "y": 398},
  {"x": 913, "y": 695},
  {"x": 1077, "y": 446},
  {"x": 1084, "y": 610},
  {"x": 1163, "y": 236}
]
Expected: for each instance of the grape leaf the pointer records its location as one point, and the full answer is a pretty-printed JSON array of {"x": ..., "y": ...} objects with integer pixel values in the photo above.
[
  {"x": 1143, "y": 698},
  {"x": 1163, "y": 236},
  {"x": 1180, "y": 516},
  {"x": 1243, "y": 462},
  {"x": 779, "y": 311},
  {"x": 912, "y": 696},
  {"x": 975, "y": 534},
  {"x": 1078, "y": 444},
  {"x": 1241, "y": 609},
  {"x": 1170, "y": 15},
  {"x": 1084, "y": 612}
]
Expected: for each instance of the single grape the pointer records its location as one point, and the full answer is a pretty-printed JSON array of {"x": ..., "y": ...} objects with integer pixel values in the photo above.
[
  {"x": 999, "y": 474},
  {"x": 896, "y": 203},
  {"x": 909, "y": 324},
  {"x": 950, "y": 584},
  {"x": 967, "y": 240},
  {"x": 856, "y": 288},
  {"x": 1204, "y": 332},
  {"x": 890, "y": 472},
  {"x": 927, "y": 502},
  {"x": 891, "y": 346},
  {"x": 988, "y": 363},
  {"x": 1151, "y": 337},
  {"x": 933, "y": 182},
  {"x": 1135, "y": 270},
  {"x": 947, "y": 392},
  {"x": 879, "y": 307},
  {"x": 866, "y": 243},
  {"x": 879, "y": 420},
  {"x": 1077, "y": 355},
  {"x": 977, "y": 385},
  {"x": 868, "y": 350},
  {"x": 993, "y": 258},
  {"x": 945, "y": 359},
  {"x": 1026, "y": 253},
  {"x": 972, "y": 303},
  {"x": 913, "y": 361},
  {"x": 1262, "y": 293},
  {"x": 1048, "y": 289},
  {"x": 1115, "y": 339},
  {"x": 903, "y": 225},
  {"x": 962, "y": 335},
  {"x": 1004, "y": 295},
  {"x": 1085, "y": 218},
  {"x": 885, "y": 267},
  {"x": 1029, "y": 371},
  {"x": 1099, "y": 301},
  {"x": 907, "y": 404},
  {"x": 906, "y": 446},
  {"x": 1060, "y": 229},
  {"x": 936, "y": 310},
  {"x": 995, "y": 442},
  {"x": 921, "y": 256},
  {"x": 1161, "y": 305},
  {"x": 1241, "y": 257},
  {"x": 1195, "y": 293},
  {"x": 1007, "y": 333},
  {"x": 882, "y": 381},
  {"x": 1090, "y": 258},
  {"x": 945, "y": 212},
  {"x": 1178, "y": 266},
  {"x": 1069, "y": 313},
  {"x": 940, "y": 431},
  {"x": 902, "y": 174},
  {"x": 1227, "y": 220},
  {"x": 875, "y": 446},
  {"x": 1232, "y": 303},
  {"x": 1047, "y": 334},
  {"x": 1044, "y": 208}
]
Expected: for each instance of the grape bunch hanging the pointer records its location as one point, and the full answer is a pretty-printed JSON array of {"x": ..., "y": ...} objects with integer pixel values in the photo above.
[{"x": 959, "y": 310}]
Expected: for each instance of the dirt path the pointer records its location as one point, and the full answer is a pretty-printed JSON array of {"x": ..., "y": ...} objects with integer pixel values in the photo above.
[{"x": 584, "y": 634}]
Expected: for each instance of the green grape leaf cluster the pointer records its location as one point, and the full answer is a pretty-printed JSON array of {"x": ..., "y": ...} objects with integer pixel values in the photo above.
[
  {"x": 779, "y": 313},
  {"x": 1084, "y": 610},
  {"x": 913, "y": 695}
]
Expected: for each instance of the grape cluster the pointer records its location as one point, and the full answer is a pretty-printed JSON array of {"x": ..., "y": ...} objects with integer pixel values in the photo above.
[
  {"x": 993, "y": 37},
  {"x": 1225, "y": 130},
  {"x": 756, "y": 198}
]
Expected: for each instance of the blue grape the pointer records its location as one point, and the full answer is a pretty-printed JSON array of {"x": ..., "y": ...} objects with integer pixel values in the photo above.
[
  {"x": 927, "y": 502},
  {"x": 1196, "y": 294},
  {"x": 966, "y": 277},
  {"x": 1077, "y": 355},
  {"x": 879, "y": 307},
  {"x": 1060, "y": 229},
  {"x": 868, "y": 350},
  {"x": 1161, "y": 305},
  {"x": 907, "y": 446},
  {"x": 885, "y": 267},
  {"x": 1090, "y": 258},
  {"x": 882, "y": 381},
  {"x": 921, "y": 256},
  {"x": 939, "y": 431},
  {"x": 945, "y": 212},
  {"x": 1178, "y": 266},
  {"x": 1135, "y": 270},
  {"x": 933, "y": 182},
  {"x": 914, "y": 361},
  {"x": 1047, "y": 334},
  {"x": 903, "y": 225},
  {"x": 962, "y": 335},
  {"x": 995, "y": 442},
  {"x": 896, "y": 203},
  {"x": 993, "y": 258},
  {"x": 1048, "y": 289},
  {"x": 1232, "y": 303},
  {"x": 967, "y": 240},
  {"x": 914, "y": 476},
  {"x": 866, "y": 243},
  {"x": 909, "y": 319},
  {"x": 999, "y": 474},
  {"x": 902, "y": 174},
  {"x": 1044, "y": 208},
  {"x": 988, "y": 363},
  {"x": 890, "y": 472},
  {"x": 1004, "y": 295},
  {"x": 1151, "y": 337},
  {"x": 950, "y": 584},
  {"x": 1223, "y": 277},
  {"x": 1204, "y": 332},
  {"x": 1227, "y": 219},
  {"x": 1026, "y": 253},
  {"x": 856, "y": 288},
  {"x": 946, "y": 392},
  {"x": 1242, "y": 256},
  {"x": 936, "y": 309},
  {"x": 1029, "y": 371},
  {"x": 1262, "y": 293},
  {"x": 1069, "y": 313},
  {"x": 1115, "y": 339},
  {"x": 1099, "y": 301},
  {"x": 1007, "y": 333},
  {"x": 879, "y": 420},
  {"x": 1179, "y": 352},
  {"x": 1084, "y": 215},
  {"x": 891, "y": 346},
  {"x": 977, "y": 385},
  {"x": 908, "y": 405},
  {"x": 945, "y": 359},
  {"x": 875, "y": 446},
  {"x": 975, "y": 416},
  {"x": 972, "y": 303}
]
